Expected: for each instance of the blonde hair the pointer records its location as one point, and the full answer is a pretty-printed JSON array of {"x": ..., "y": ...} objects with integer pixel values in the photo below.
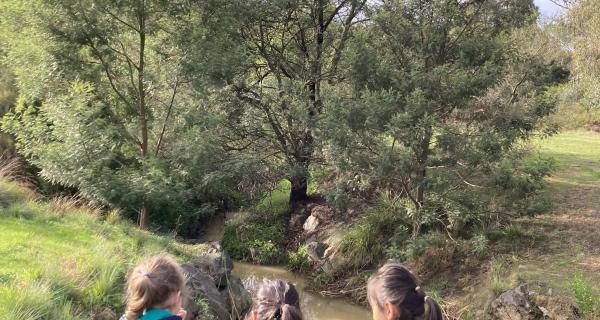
[{"x": 152, "y": 283}]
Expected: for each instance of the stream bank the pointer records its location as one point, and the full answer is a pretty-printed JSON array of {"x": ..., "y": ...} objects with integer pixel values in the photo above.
[{"x": 314, "y": 306}]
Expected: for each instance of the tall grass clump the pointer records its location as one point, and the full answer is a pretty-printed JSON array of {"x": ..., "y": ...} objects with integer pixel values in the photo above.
[
  {"x": 588, "y": 301},
  {"x": 64, "y": 259}
]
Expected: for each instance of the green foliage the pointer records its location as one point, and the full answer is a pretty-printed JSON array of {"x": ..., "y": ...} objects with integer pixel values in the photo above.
[
  {"x": 432, "y": 119},
  {"x": 479, "y": 245},
  {"x": 588, "y": 301},
  {"x": 119, "y": 119},
  {"x": 265, "y": 252},
  {"x": 521, "y": 180},
  {"x": 365, "y": 242},
  {"x": 298, "y": 261},
  {"x": 69, "y": 263},
  {"x": 416, "y": 247},
  {"x": 255, "y": 240}
]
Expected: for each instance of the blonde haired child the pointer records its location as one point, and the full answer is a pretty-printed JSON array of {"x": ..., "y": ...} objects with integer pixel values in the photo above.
[{"x": 154, "y": 290}]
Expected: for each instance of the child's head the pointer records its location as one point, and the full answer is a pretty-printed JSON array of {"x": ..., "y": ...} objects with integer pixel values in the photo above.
[
  {"x": 393, "y": 294},
  {"x": 276, "y": 300},
  {"x": 157, "y": 282}
]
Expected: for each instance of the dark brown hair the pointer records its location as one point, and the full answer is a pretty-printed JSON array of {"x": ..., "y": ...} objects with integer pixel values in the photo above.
[
  {"x": 395, "y": 284},
  {"x": 152, "y": 283},
  {"x": 277, "y": 300}
]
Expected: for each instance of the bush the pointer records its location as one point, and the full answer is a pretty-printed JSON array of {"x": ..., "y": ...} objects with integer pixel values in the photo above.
[
  {"x": 519, "y": 181},
  {"x": 255, "y": 240},
  {"x": 479, "y": 245},
  {"x": 588, "y": 301},
  {"x": 366, "y": 240},
  {"x": 298, "y": 260}
]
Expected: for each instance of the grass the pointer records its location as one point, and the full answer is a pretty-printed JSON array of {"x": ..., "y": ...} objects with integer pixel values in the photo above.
[
  {"x": 277, "y": 200},
  {"x": 558, "y": 251},
  {"x": 578, "y": 155},
  {"x": 61, "y": 260}
]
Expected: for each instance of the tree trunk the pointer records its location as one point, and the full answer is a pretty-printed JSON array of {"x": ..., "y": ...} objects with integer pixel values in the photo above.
[
  {"x": 144, "y": 217},
  {"x": 422, "y": 158},
  {"x": 299, "y": 191}
]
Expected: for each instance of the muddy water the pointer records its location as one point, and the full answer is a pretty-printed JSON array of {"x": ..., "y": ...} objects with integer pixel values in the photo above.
[{"x": 314, "y": 306}]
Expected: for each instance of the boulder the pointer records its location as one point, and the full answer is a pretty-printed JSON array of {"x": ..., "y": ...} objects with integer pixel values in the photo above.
[
  {"x": 216, "y": 263},
  {"x": 201, "y": 287},
  {"x": 316, "y": 251},
  {"x": 311, "y": 224},
  {"x": 212, "y": 292},
  {"x": 516, "y": 304},
  {"x": 237, "y": 298}
]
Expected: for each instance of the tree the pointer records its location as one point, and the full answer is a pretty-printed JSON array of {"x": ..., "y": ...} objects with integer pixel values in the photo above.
[
  {"x": 440, "y": 93},
  {"x": 583, "y": 23},
  {"x": 116, "y": 117},
  {"x": 278, "y": 99}
]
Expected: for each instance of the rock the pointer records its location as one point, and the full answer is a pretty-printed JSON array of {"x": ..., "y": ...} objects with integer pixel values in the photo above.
[
  {"x": 316, "y": 251},
  {"x": 311, "y": 224},
  {"x": 237, "y": 298},
  {"x": 216, "y": 264},
  {"x": 515, "y": 304},
  {"x": 201, "y": 287},
  {"x": 211, "y": 289}
]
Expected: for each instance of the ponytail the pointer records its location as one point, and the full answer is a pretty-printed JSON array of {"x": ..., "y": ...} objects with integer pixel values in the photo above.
[
  {"x": 151, "y": 284},
  {"x": 396, "y": 285},
  {"x": 434, "y": 312},
  {"x": 277, "y": 300},
  {"x": 289, "y": 312}
]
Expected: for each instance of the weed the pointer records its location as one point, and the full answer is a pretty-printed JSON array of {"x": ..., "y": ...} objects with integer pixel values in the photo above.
[
  {"x": 588, "y": 301},
  {"x": 298, "y": 260}
]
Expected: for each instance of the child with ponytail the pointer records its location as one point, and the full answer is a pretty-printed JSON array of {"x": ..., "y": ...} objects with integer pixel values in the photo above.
[
  {"x": 154, "y": 290},
  {"x": 393, "y": 294},
  {"x": 276, "y": 300}
]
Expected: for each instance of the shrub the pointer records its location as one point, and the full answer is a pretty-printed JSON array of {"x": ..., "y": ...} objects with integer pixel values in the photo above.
[
  {"x": 255, "y": 240},
  {"x": 366, "y": 240},
  {"x": 298, "y": 260},
  {"x": 265, "y": 252},
  {"x": 479, "y": 245},
  {"x": 588, "y": 301},
  {"x": 417, "y": 247}
]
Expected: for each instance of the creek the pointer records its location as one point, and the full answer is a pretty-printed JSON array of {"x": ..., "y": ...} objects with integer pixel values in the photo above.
[{"x": 313, "y": 305}]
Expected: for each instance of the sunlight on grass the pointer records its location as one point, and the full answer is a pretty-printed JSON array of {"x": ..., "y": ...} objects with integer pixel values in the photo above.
[
  {"x": 67, "y": 263},
  {"x": 577, "y": 154},
  {"x": 277, "y": 200}
]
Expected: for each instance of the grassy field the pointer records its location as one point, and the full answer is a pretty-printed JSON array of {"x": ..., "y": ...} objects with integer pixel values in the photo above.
[
  {"x": 59, "y": 260},
  {"x": 557, "y": 253}
]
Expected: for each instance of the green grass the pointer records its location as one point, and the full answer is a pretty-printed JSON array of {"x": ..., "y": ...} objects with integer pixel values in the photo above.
[
  {"x": 58, "y": 263},
  {"x": 578, "y": 155},
  {"x": 277, "y": 200}
]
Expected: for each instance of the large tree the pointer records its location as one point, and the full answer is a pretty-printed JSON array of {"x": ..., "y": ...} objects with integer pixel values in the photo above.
[
  {"x": 440, "y": 94},
  {"x": 278, "y": 99},
  {"x": 114, "y": 114}
]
